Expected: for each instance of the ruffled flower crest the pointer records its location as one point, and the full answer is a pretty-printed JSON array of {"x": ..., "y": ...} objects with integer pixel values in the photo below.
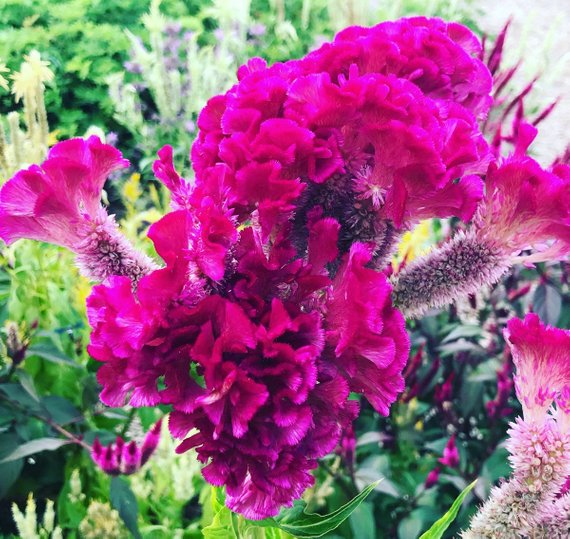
[
  {"x": 526, "y": 206},
  {"x": 541, "y": 355}
]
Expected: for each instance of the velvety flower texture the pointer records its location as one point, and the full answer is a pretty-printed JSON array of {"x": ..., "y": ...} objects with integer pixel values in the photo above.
[
  {"x": 440, "y": 58},
  {"x": 377, "y": 129},
  {"x": 56, "y": 201},
  {"x": 125, "y": 458},
  {"x": 59, "y": 202},
  {"x": 270, "y": 309},
  {"x": 270, "y": 397}
]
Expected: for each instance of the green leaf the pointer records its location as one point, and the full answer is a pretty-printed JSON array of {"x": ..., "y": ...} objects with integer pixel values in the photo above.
[
  {"x": 463, "y": 332},
  {"x": 222, "y": 525},
  {"x": 362, "y": 522},
  {"x": 314, "y": 525},
  {"x": 9, "y": 471},
  {"x": 547, "y": 303},
  {"x": 439, "y": 527},
  {"x": 51, "y": 353},
  {"x": 9, "y": 474},
  {"x": 61, "y": 410},
  {"x": 35, "y": 446},
  {"x": 27, "y": 383},
  {"x": 124, "y": 501},
  {"x": 17, "y": 394}
]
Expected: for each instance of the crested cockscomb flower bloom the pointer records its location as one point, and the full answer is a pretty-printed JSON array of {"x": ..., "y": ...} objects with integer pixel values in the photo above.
[
  {"x": 539, "y": 442},
  {"x": 268, "y": 403},
  {"x": 125, "y": 458},
  {"x": 377, "y": 129},
  {"x": 525, "y": 207},
  {"x": 450, "y": 454},
  {"x": 59, "y": 202},
  {"x": 276, "y": 366}
]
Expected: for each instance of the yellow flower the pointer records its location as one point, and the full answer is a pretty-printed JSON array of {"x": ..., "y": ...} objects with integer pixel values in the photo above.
[
  {"x": 52, "y": 137},
  {"x": 131, "y": 189},
  {"x": 3, "y": 80},
  {"x": 33, "y": 71},
  {"x": 82, "y": 290},
  {"x": 414, "y": 243}
]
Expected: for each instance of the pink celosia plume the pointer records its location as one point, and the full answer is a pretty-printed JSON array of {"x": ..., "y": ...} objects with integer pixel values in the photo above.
[
  {"x": 123, "y": 457},
  {"x": 450, "y": 454},
  {"x": 524, "y": 207},
  {"x": 539, "y": 442},
  {"x": 541, "y": 355},
  {"x": 59, "y": 202}
]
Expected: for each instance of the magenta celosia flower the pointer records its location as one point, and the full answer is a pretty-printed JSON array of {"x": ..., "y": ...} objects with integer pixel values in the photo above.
[
  {"x": 377, "y": 129},
  {"x": 538, "y": 443},
  {"x": 526, "y": 206},
  {"x": 541, "y": 355},
  {"x": 498, "y": 407},
  {"x": 125, "y": 458},
  {"x": 432, "y": 477},
  {"x": 441, "y": 58},
  {"x": 268, "y": 403},
  {"x": 450, "y": 453},
  {"x": 366, "y": 333},
  {"x": 59, "y": 202}
]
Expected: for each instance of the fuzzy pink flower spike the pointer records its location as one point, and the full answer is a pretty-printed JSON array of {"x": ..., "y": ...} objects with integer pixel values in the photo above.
[
  {"x": 59, "y": 202},
  {"x": 539, "y": 443},
  {"x": 541, "y": 355},
  {"x": 525, "y": 206}
]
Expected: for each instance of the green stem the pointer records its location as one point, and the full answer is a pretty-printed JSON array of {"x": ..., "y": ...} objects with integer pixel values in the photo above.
[{"x": 48, "y": 421}]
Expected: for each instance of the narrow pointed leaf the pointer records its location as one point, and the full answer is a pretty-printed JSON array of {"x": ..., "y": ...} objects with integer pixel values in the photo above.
[
  {"x": 34, "y": 446},
  {"x": 315, "y": 525},
  {"x": 440, "y": 526},
  {"x": 125, "y": 502}
]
